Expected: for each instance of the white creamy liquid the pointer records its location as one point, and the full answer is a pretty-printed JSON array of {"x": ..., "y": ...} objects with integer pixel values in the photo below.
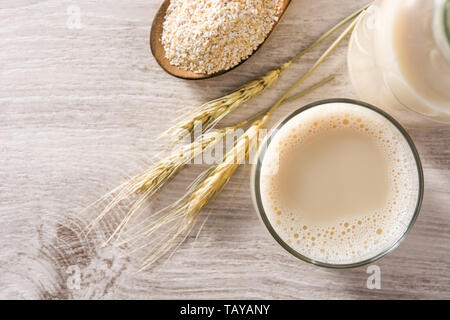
[
  {"x": 394, "y": 60},
  {"x": 339, "y": 183}
]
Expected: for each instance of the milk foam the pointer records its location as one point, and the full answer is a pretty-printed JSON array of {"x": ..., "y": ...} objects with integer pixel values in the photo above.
[{"x": 347, "y": 240}]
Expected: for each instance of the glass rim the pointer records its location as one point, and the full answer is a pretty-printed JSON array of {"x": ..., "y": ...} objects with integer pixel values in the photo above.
[
  {"x": 447, "y": 19},
  {"x": 441, "y": 27},
  {"x": 256, "y": 174}
]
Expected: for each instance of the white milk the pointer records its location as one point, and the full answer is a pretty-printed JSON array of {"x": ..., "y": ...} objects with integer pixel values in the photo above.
[
  {"x": 339, "y": 183},
  {"x": 399, "y": 56}
]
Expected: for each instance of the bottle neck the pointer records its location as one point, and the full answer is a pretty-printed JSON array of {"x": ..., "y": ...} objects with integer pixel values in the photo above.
[{"x": 441, "y": 27}]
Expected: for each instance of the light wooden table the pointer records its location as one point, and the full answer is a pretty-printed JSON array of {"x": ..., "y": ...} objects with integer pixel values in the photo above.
[{"x": 79, "y": 112}]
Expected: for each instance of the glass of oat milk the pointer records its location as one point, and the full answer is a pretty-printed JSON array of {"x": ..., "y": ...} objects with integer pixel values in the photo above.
[
  {"x": 399, "y": 57},
  {"x": 338, "y": 183}
]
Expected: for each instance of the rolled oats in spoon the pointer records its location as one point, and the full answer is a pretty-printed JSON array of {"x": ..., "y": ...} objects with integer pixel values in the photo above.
[{"x": 208, "y": 36}]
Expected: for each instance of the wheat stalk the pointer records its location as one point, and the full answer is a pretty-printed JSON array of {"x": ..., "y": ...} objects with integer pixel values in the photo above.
[
  {"x": 209, "y": 114},
  {"x": 148, "y": 183},
  {"x": 183, "y": 214},
  {"x": 230, "y": 163},
  {"x": 180, "y": 218},
  {"x": 168, "y": 228}
]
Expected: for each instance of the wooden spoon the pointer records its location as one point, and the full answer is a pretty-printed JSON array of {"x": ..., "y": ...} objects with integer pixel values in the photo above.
[{"x": 158, "y": 50}]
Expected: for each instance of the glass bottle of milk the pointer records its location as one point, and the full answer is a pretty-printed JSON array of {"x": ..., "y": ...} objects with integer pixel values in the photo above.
[{"x": 399, "y": 56}]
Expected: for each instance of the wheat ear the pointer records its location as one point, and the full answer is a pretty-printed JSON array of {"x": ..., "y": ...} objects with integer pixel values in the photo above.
[
  {"x": 180, "y": 218},
  {"x": 148, "y": 183},
  {"x": 168, "y": 228}
]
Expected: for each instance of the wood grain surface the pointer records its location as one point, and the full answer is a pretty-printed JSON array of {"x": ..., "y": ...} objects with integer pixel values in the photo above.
[{"x": 79, "y": 112}]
